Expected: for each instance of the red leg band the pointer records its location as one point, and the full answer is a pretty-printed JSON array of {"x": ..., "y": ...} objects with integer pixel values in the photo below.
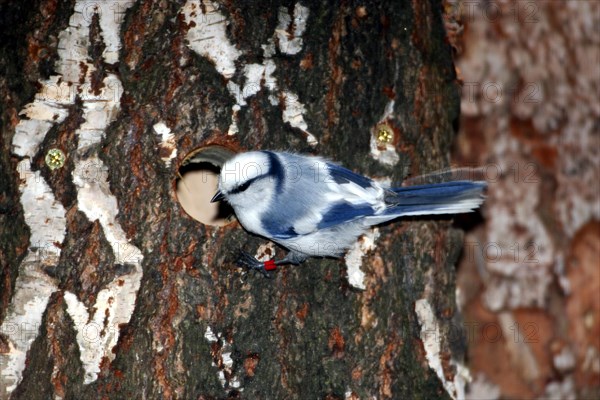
[{"x": 270, "y": 265}]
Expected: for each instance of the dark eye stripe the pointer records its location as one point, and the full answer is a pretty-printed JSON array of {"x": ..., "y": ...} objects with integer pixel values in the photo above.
[{"x": 244, "y": 185}]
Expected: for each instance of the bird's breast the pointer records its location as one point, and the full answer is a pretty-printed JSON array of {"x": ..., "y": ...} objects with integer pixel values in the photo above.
[{"x": 251, "y": 221}]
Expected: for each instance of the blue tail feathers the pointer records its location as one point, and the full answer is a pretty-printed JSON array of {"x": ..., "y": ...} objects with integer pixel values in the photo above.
[{"x": 439, "y": 198}]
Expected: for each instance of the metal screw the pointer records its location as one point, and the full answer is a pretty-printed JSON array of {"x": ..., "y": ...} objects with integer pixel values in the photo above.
[
  {"x": 384, "y": 134},
  {"x": 55, "y": 158}
]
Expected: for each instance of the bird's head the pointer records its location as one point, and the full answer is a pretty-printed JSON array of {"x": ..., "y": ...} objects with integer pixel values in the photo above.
[{"x": 249, "y": 180}]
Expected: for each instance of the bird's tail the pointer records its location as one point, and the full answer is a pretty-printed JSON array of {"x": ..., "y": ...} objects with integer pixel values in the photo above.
[{"x": 438, "y": 198}]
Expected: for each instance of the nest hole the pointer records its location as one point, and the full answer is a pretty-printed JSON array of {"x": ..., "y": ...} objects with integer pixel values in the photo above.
[{"x": 197, "y": 182}]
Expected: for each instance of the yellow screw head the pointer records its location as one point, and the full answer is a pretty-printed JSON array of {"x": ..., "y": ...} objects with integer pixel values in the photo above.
[
  {"x": 55, "y": 158},
  {"x": 384, "y": 134}
]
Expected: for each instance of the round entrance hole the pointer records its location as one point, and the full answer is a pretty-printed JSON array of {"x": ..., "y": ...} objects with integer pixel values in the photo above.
[{"x": 197, "y": 184}]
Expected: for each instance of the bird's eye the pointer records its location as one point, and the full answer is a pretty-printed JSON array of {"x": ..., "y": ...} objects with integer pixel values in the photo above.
[{"x": 243, "y": 187}]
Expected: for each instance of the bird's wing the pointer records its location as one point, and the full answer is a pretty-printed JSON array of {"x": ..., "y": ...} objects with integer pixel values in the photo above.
[
  {"x": 344, "y": 176},
  {"x": 344, "y": 196},
  {"x": 343, "y": 212},
  {"x": 323, "y": 196},
  {"x": 353, "y": 187}
]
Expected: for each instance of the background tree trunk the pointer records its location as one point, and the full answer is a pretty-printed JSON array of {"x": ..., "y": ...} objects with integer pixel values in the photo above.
[
  {"x": 530, "y": 276},
  {"x": 109, "y": 289}
]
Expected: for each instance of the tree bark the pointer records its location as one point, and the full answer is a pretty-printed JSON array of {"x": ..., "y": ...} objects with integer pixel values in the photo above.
[
  {"x": 110, "y": 290},
  {"x": 530, "y": 277}
]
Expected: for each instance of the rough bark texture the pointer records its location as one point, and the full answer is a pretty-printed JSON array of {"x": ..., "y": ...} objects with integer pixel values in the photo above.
[
  {"x": 530, "y": 275},
  {"x": 198, "y": 330}
]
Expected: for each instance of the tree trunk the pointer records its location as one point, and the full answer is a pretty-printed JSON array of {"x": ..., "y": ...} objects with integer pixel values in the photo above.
[{"x": 110, "y": 290}]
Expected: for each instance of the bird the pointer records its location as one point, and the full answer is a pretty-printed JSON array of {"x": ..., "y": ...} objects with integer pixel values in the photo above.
[{"x": 316, "y": 208}]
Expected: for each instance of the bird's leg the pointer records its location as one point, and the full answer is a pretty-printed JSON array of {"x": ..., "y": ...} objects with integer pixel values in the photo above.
[{"x": 248, "y": 261}]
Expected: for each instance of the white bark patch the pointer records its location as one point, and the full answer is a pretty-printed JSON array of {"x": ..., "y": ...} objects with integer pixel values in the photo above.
[
  {"x": 291, "y": 42},
  {"x": 43, "y": 214},
  {"x": 210, "y": 335},
  {"x": 356, "y": 277},
  {"x": 207, "y": 35},
  {"x": 564, "y": 361},
  {"x": 254, "y": 74},
  {"x": 115, "y": 303},
  {"x": 384, "y": 153},
  {"x": 46, "y": 217},
  {"x": 265, "y": 251},
  {"x": 269, "y": 79},
  {"x": 98, "y": 334},
  {"x": 520, "y": 260},
  {"x": 225, "y": 361},
  {"x": 73, "y": 43},
  {"x": 29, "y": 134},
  {"x": 47, "y": 223},
  {"x": 167, "y": 142},
  {"x": 482, "y": 389},
  {"x": 431, "y": 337},
  {"x": 236, "y": 92},
  {"x": 33, "y": 289},
  {"x": 47, "y": 109},
  {"x": 111, "y": 17},
  {"x": 293, "y": 113},
  {"x": 233, "y": 128}
]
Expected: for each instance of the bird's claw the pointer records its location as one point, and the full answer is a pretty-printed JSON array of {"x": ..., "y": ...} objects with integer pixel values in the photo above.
[{"x": 248, "y": 261}]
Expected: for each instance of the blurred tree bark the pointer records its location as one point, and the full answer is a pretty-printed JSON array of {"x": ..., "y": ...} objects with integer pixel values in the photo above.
[
  {"x": 165, "y": 287},
  {"x": 534, "y": 310}
]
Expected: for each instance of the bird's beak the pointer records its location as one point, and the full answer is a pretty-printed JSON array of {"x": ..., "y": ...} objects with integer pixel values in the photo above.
[{"x": 217, "y": 197}]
